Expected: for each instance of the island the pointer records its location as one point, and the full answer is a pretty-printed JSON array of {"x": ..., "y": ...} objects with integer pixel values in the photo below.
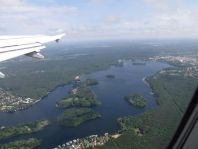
[
  {"x": 110, "y": 76},
  {"x": 75, "y": 116},
  {"x": 6, "y": 132},
  {"x": 136, "y": 100},
  {"x": 25, "y": 144},
  {"x": 78, "y": 105},
  {"x": 173, "y": 88},
  {"x": 79, "y": 96}
]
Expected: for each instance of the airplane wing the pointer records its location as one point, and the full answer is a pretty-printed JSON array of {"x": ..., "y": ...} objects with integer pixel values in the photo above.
[{"x": 14, "y": 46}]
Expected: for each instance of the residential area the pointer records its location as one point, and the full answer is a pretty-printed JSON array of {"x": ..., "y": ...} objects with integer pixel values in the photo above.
[
  {"x": 12, "y": 103},
  {"x": 87, "y": 142},
  {"x": 188, "y": 64}
]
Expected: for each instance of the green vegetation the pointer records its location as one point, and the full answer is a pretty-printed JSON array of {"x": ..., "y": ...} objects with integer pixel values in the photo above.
[
  {"x": 76, "y": 116},
  {"x": 79, "y": 99},
  {"x": 110, "y": 76},
  {"x": 6, "y": 132},
  {"x": 154, "y": 128},
  {"x": 80, "y": 96},
  {"x": 136, "y": 100},
  {"x": 22, "y": 144},
  {"x": 59, "y": 68}
]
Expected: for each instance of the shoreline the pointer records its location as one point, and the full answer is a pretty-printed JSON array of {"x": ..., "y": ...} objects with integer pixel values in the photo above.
[
  {"x": 114, "y": 135},
  {"x": 33, "y": 102},
  {"x": 60, "y": 85},
  {"x": 93, "y": 141},
  {"x": 143, "y": 79},
  {"x": 147, "y": 83}
]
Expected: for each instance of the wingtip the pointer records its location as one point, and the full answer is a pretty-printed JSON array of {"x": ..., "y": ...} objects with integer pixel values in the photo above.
[{"x": 59, "y": 37}]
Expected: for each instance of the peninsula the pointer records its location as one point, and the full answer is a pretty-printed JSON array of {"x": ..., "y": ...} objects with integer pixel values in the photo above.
[{"x": 6, "y": 132}]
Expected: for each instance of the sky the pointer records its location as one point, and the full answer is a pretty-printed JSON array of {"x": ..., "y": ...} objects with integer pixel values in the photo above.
[{"x": 101, "y": 19}]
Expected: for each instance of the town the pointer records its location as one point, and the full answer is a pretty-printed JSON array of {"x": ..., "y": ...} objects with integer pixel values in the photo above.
[
  {"x": 183, "y": 60},
  {"x": 88, "y": 142},
  {"x": 189, "y": 64},
  {"x": 12, "y": 103}
]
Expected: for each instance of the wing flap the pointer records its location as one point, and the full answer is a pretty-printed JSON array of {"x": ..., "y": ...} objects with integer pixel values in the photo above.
[
  {"x": 11, "y": 54},
  {"x": 19, "y": 47},
  {"x": 13, "y": 46}
]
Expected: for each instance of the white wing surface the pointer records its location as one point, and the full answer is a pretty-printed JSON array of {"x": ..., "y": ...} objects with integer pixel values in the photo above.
[{"x": 14, "y": 46}]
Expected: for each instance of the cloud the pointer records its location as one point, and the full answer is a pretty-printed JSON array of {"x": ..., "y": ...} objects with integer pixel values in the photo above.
[
  {"x": 111, "y": 19},
  {"x": 88, "y": 21},
  {"x": 10, "y": 3},
  {"x": 21, "y": 17},
  {"x": 97, "y": 1},
  {"x": 156, "y": 2},
  {"x": 162, "y": 5},
  {"x": 2, "y": 29}
]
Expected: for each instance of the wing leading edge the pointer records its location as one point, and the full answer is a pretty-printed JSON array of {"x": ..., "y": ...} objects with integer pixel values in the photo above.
[{"x": 14, "y": 46}]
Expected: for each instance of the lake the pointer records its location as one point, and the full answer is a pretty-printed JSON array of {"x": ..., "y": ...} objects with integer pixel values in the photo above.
[{"x": 110, "y": 92}]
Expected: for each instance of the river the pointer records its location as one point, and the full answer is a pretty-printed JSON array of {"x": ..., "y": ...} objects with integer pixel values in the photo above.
[{"x": 110, "y": 92}]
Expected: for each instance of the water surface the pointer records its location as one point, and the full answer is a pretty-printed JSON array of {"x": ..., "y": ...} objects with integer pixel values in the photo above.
[{"x": 110, "y": 92}]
